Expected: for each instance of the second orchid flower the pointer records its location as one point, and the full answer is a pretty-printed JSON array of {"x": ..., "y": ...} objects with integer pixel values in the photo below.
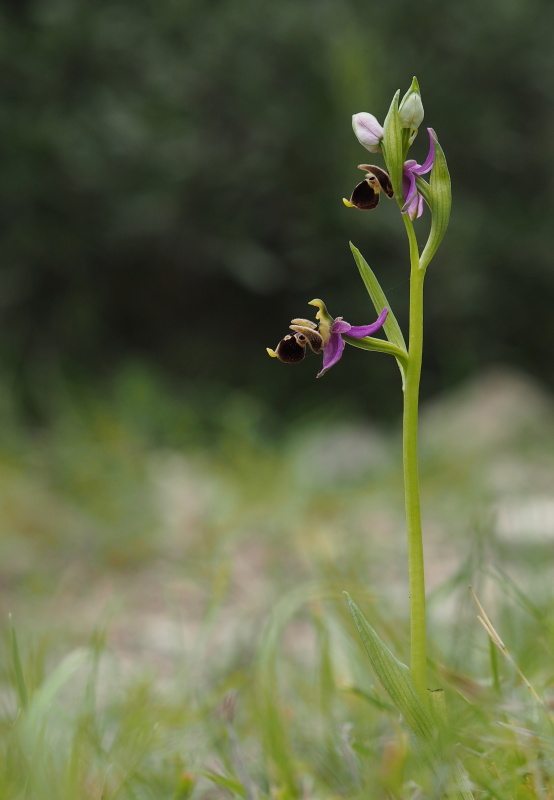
[{"x": 325, "y": 336}]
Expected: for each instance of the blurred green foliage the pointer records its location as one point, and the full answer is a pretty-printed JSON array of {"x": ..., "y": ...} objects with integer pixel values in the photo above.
[
  {"x": 180, "y": 615},
  {"x": 172, "y": 175}
]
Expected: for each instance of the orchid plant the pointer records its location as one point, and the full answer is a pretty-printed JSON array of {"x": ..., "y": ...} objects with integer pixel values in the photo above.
[{"x": 400, "y": 178}]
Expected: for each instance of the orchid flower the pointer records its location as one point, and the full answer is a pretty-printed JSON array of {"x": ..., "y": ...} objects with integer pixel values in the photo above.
[
  {"x": 413, "y": 200},
  {"x": 325, "y": 336}
]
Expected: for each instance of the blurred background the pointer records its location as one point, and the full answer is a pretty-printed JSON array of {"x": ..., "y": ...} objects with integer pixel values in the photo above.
[{"x": 172, "y": 176}]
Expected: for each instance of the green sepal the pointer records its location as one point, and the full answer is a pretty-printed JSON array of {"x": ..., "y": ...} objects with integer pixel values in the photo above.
[
  {"x": 393, "y": 150},
  {"x": 438, "y": 195},
  {"x": 377, "y": 295},
  {"x": 395, "y": 678}
]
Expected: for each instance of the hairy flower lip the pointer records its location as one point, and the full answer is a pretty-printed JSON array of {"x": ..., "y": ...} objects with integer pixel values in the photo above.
[
  {"x": 365, "y": 195},
  {"x": 289, "y": 350}
]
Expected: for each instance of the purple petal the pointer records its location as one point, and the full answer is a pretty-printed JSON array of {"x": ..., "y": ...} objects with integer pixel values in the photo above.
[
  {"x": 409, "y": 181},
  {"x": 414, "y": 208},
  {"x": 427, "y": 165},
  {"x": 332, "y": 353},
  {"x": 359, "y": 331},
  {"x": 420, "y": 206},
  {"x": 340, "y": 326},
  {"x": 411, "y": 208}
]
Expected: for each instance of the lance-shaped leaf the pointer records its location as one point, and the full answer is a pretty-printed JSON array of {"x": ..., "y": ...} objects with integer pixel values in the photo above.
[
  {"x": 393, "y": 147},
  {"x": 395, "y": 678},
  {"x": 390, "y": 326},
  {"x": 378, "y": 297},
  {"x": 438, "y": 195}
]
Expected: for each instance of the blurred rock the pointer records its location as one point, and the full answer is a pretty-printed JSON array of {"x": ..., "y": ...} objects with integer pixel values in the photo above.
[
  {"x": 527, "y": 520},
  {"x": 339, "y": 454},
  {"x": 493, "y": 410}
]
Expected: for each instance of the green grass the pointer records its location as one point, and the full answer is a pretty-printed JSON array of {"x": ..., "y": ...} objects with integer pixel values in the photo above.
[{"x": 179, "y": 624}]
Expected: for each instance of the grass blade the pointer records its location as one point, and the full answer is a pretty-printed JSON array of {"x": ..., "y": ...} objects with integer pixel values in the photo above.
[
  {"x": 230, "y": 784},
  {"x": 495, "y": 638},
  {"x": 17, "y": 668}
]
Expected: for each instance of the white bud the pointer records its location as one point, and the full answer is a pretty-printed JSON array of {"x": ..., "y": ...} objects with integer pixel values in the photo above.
[{"x": 368, "y": 131}]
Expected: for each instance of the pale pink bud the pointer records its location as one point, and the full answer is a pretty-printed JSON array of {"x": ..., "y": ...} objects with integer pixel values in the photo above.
[{"x": 368, "y": 131}]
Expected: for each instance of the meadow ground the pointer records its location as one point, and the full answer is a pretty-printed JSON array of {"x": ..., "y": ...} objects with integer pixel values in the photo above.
[{"x": 179, "y": 625}]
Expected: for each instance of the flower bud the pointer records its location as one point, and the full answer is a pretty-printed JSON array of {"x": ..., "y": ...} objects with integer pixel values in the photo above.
[
  {"x": 368, "y": 131},
  {"x": 411, "y": 108}
]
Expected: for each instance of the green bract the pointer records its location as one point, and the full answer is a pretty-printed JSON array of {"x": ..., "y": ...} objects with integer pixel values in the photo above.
[
  {"x": 438, "y": 195},
  {"x": 393, "y": 146}
]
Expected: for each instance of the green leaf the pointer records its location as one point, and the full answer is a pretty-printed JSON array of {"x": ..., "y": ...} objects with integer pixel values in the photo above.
[
  {"x": 439, "y": 197},
  {"x": 392, "y": 146},
  {"x": 378, "y": 297},
  {"x": 391, "y": 326},
  {"x": 395, "y": 678}
]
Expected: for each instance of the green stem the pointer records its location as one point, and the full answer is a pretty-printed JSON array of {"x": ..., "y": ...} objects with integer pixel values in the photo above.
[{"x": 418, "y": 638}]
